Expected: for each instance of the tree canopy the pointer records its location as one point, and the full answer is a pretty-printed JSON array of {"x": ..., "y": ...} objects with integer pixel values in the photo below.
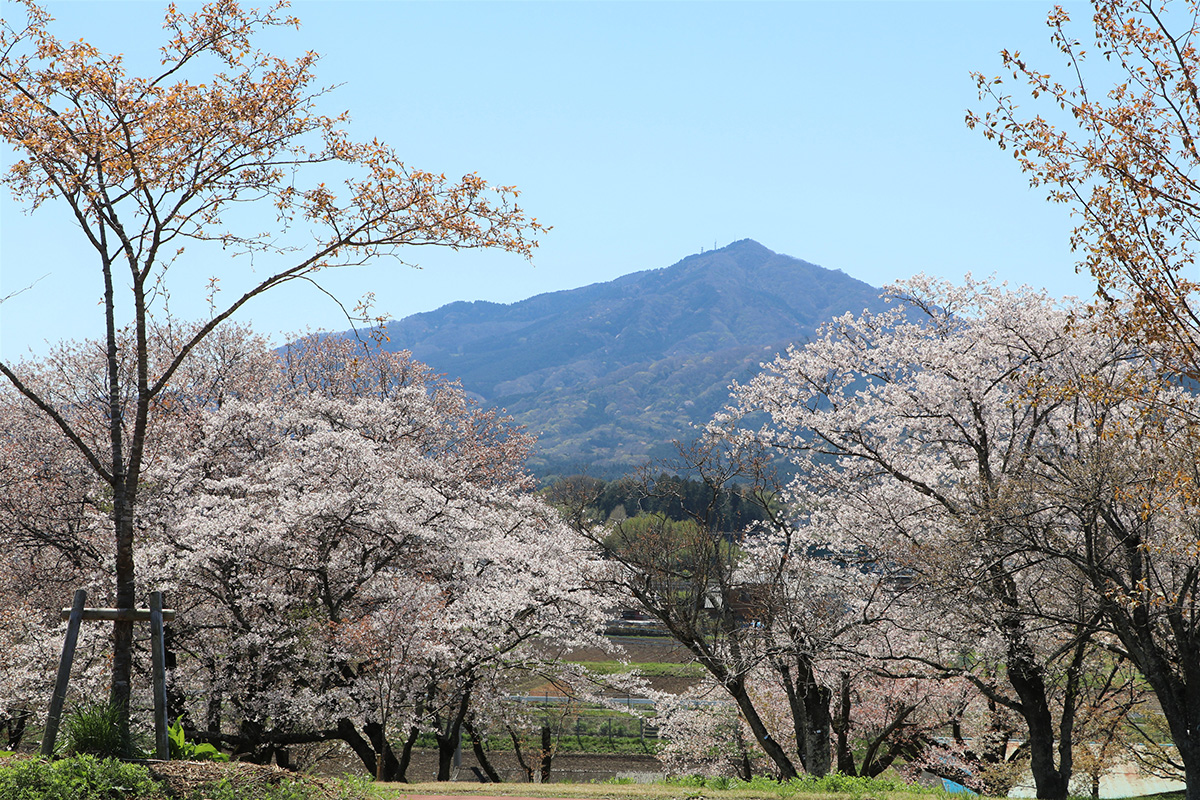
[{"x": 224, "y": 145}]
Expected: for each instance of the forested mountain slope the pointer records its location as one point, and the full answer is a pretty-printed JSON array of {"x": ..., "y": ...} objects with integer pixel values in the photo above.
[{"x": 611, "y": 373}]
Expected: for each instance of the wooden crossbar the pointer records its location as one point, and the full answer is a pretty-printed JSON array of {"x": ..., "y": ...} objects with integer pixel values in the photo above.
[
  {"x": 119, "y": 614},
  {"x": 76, "y": 614}
]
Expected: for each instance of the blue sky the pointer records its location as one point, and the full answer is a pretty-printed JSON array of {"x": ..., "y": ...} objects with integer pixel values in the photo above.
[{"x": 642, "y": 132}]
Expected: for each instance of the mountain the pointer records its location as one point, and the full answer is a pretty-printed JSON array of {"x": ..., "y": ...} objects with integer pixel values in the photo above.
[{"x": 609, "y": 374}]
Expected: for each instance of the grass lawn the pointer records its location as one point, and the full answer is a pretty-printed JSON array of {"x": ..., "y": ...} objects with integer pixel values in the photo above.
[{"x": 640, "y": 791}]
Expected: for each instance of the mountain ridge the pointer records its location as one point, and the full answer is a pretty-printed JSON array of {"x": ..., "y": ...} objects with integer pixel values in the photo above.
[{"x": 610, "y": 373}]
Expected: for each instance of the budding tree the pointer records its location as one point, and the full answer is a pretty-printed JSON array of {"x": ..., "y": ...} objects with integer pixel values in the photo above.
[
  {"x": 1124, "y": 158},
  {"x": 1118, "y": 145},
  {"x": 916, "y": 432},
  {"x": 148, "y": 165},
  {"x": 1130, "y": 487}
]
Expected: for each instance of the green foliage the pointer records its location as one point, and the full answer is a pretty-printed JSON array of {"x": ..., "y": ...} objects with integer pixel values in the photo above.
[
  {"x": 288, "y": 789},
  {"x": 100, "y": 729},
  {"x": 835, "y": 782},
  {"x": 678, "y": 499},
  {"x": 184, "y": 750},
  {"x": 81, "y": 777},
  {"x": 650, "y": 669}
]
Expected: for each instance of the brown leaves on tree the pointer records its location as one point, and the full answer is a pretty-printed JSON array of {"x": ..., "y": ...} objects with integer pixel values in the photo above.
[
  {"x": 148, "y": 164},
  {"x": 1121, "y": 151},
  {"x": 144, "y": 161}
]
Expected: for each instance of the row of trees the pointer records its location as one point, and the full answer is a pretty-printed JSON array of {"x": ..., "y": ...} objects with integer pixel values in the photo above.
[
  {"x": 996, "y": 494},
  {"x": 992, "y": 536},
  {"x": 351, "y": 546},
  {"x": 989, "y": 532},
  {"x": 1015, "y": 483}
]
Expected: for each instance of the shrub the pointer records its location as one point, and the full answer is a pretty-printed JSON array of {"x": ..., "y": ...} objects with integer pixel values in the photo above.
[{"x": 81, "y": 777}]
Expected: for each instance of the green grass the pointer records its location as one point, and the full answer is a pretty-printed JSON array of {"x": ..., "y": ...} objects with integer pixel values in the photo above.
[
  {"x": 651, "y": 669},
  {"x": 831, "y": 788},
  {"x": 288, "y": 789}
]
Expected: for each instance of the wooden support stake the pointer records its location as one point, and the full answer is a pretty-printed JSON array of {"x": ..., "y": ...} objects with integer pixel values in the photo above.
[
  {"x": 64, "y": 673},
  {"x": 158, "y": 665}
]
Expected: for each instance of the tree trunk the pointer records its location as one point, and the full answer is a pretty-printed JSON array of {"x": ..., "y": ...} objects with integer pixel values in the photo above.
[
  {"x": 845, "y": 757},
  {"x": 1182, "y": 711},
  {"x": 1190, "y": 755},
  {"x": 122, "y": 633},
  {"x": 737, "y": 690},
  {"x": 367, "y": 752},
  {"x": 14, "y": 727},
  {"x": 406, "y": 754},
  {"x": 516, "y": 740},
  {"x": 449, "y": 742},
  {"x": 377, "y": 736},
  {"x": 447, "y": 745},
  {"x": 816, "y": 751},
  {"x": 481, "y": 755},
  {"x": 809, "y": 703},
  {"x": 547, "y": 753},
  {"x": 1025, "y": 676}
]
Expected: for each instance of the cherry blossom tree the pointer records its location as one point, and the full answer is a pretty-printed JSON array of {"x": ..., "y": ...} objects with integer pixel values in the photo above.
[
  {"x": 765, "y": 618},
  {"x": 149, "y": 166},
  {"x": 916, "y": 432},
  {"x": 1129, "y": 486},
  {"x": 353, "y": 550},
  {"x": 702, "y": 733},
  {"x": 55, "y": 512}
]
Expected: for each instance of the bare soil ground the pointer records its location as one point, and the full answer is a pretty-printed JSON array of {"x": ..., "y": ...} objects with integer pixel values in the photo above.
[
  {"x": 643, "y": 650},
  {"x": 639, "y": 649}
]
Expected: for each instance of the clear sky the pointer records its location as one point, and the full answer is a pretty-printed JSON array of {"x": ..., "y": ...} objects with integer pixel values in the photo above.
[{"x": 643, "y": 132}]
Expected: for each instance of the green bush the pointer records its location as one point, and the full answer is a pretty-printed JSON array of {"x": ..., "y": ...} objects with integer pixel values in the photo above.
[
  {"x": 81, "y": 777},
  {"x": 99, "y": 729}
]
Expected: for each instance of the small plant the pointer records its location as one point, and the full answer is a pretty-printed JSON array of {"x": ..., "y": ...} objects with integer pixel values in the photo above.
[
  {"x": 183, "y": 750},
  {"x": 81, "y": 777},
  {"x": 350, "y": 787},
  {"x": 99, "y": 729}
]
